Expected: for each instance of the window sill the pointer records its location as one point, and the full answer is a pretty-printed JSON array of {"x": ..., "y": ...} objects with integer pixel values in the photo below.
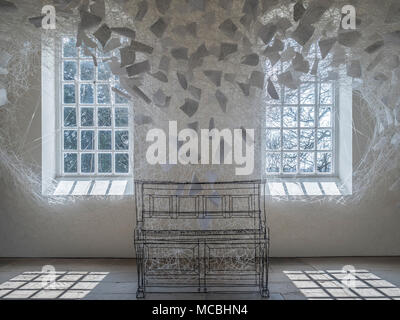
[
  {"x": 99, "y": 186},
  {"x": 305, "y": 186}
]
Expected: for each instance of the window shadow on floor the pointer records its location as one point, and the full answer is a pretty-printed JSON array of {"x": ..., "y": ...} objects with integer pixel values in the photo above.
[
  {"x": 342, "y": 285},
  {"x": 57, "y": 285}
]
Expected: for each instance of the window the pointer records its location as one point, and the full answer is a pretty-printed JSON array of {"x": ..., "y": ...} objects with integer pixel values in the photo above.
[
  {"x": 300, "y": 131},
  {"x": 95, "y": 121},
  {"x": 300, "y": 128}
]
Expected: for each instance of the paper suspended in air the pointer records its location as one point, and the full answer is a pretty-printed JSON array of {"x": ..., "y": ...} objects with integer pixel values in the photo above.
[
  {"x": 349, "y": 38},
  {"x": 222, "y": 99},
  {"x": 272, "y": 90},
  {"x": 267, "y": 32},
  {"x": 225, "y": 4},
  {"x": 230, "y": 77},
  {"x": 125, "y": 32},
  {"x": 303, "y": 33},
  {"x": 98, "y": 8},
  {"x": 245, "y": 87},
  {"x": 159, "y": 27},
  {"x": 300, "y": 64},
  {"x": 141, "y": 47},
  {"x": 141, "y": 94},
  {"x": 138, "y": 68},
  {"x": 163, "y": 5},
  {"x": 111, "y": 45},
  {"x": 164, "y": 63},
  {"x": 180, "y": 53},
  {"x": 228, "y": 28},
  {"x": 251, "y": 59},
  {"x": 7, "y": 6},
  {"x": 88, "y": 20},
  {"x": 298, "y": 11},
  {"x": 128, "y": 56},
  {"x": 190, "y": 107},
  {"x": 325, "y": 46},
  {"x": 250, "y": 7},
  {"x": 374, "y": 47},
  {"x": 103, "y": 34},
  {"x": 161, "y": 76},
  {"x": 227, "y": 49},
  {"x": 143, "y": 7},
  {"x": 195, "y": 92},
  {"x": 214, "y": 76},
  {"x": 182, "y": 80},
  {"x": 257, "y": 79},
  {"x": 354, "y": 69}
]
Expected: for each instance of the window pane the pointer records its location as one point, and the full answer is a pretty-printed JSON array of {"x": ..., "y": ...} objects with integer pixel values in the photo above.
[
  {"x": 70, "y": 139},
  {"x": 87, "y": 162},
  {"x": 104, "y": 117},
  {"x": 273, "y": 162},
  {"x": 291, "y": 96},
  {"x": 105, "y": 140},
  {"x": 324, "y": 139},
  {"x": 289, "y": 162},
  {"x": 324, "y": 162},
  {"x": 274, "y": 117},
  {"x": 69, "y": 48},
  {"x": 326, "y": 93},
  {"x": 121, "y": 163},
  {"x": 105, "y": 165},
  {"x": 69, "y": 117},
  {"x": 121, "y": 140},
  {"x": 118, "y": 98},
  {"x": 273, "y": 139},
  {"x": 307, "y": 117},
  {"x": 289, "y": 139},
  {"x": 103, "y": 93},
  {"x": 87, "y": 140},
  {"x": 103, "y": 71},
  {"x": 87, "y": 117},
  {"x": 87, "y": 93},
  {"x": 70, "y": 162},
  {"x": 87, "y": 70},
  {"x": 307, "y": 162},
  {"x": 121, "y": 117},
  {"x": 290, "y": 116},
  {"x": 69, "y": 93},
  {"x": 307, "y": 93},
  {"x": 70, "y": 70},
  {"x": 307, "y": 139},
  {"x": 325, "y": 116}
]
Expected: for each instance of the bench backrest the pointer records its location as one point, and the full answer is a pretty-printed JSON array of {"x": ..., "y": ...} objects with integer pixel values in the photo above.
[{"x": 224, "y": 205}]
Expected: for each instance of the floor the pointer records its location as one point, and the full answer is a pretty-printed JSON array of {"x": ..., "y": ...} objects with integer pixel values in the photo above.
[{"x": 289, "y": 278}]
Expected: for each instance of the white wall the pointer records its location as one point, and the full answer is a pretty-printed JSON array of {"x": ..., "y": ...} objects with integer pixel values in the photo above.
[
  {"x": 104, "y": 228},
  {"x": 90, "y": 228}
]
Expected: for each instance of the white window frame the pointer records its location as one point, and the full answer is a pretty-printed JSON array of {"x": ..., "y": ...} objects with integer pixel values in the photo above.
[
  {"x": 334, "y": 128},
  {"x": 342, "y": 158},
  {"x": 52, "y": 134},
  {"x": 79, "y": 128}
]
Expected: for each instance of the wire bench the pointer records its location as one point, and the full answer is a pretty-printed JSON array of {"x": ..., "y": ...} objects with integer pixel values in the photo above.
[{"x": 201, "y": 237}]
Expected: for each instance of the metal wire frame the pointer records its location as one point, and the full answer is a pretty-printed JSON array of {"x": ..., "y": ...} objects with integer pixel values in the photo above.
[{"x": 196, "y": 260}]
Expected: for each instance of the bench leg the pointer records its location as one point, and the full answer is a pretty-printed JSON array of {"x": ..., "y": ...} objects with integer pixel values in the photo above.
[
  {"x": 264, "y": 270},
  {"x": 265, "y": 293},
  {"x": 140, "y": 294}
]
